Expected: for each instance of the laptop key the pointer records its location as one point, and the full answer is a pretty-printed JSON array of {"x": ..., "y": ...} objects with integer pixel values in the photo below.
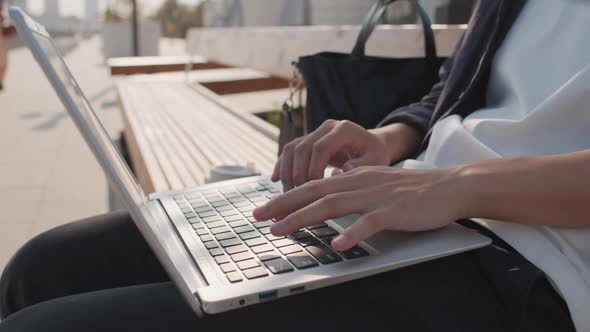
[
  {"x": 265, "y": 256},
  {"x": 283, "y": 243},
  {"x": 211, "y": 244},
  {"x": 225, "y": 236},
  {"x": 356, "y": 252},
  {"x": 233, "y": 218},
  {"x": 216, "y": 224},
  {"x": 278, "y": 265},
  {"x": 216, "y": 252},
  {"x": 264, "y": 230},
  {"x": 202, "y": 209},
  {"x": 222, "y": 259},
  {"x": 290, "y": 249},
  {"x": 224, "y": 208},
  {"x": 238, "y": 223},
  {"x": 300, "y": 235},
  {"x": 241, "y": 203},
  {"x": 263, "y": 248},
  {"x": 247, "y": 214},
  {"x": 308, "y": 241},
  {"x": 244, "y": 189},
  {"x": 230, "y": 242},
  {"x": 258, "y": 272},
  {"x": 255, "y": 242},
  {"x": 271, "y": 237},
  {"x": 249, "y": 208},
  {"x": 189, "y": 215},
  {"x": 242, "y": 256},
  {"x": 320, "y": 225},
  {"x": 211, "y": 219},
  {"x": 244, "y": 229},
  {"x": 262, "y": 224},
  {"x": 202, "y": 231},
  {"x": 194, "y": 220},
  {"x": 323, "y": 254},
  {"x": 206, "y": 238},
  {"x": 258, "y": 199},
  {"x": 249, "y": 235},
  {"x": 207, "y": 214},
  {"x": 220, "y": 203},
  {"x": 236, "y": 249},
  {"x": 228, "y": 212},
  {"x": 302, "y": 260},
  {"x": 237, "y": 199},
  {"x": 227, "y": 267},
  {"x": 323, "y": 232},
  {"x": 234, "y": 277},
  {"x": 198, "y": 226},
  {"x": 219, "y": 230},
  {"x": 248, "y": 264}
]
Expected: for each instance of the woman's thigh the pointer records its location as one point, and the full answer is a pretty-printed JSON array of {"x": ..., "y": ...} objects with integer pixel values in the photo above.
[
  {"x": 435, "y": 296},
  {"x": 448, "y": 294},
  {"x": 101, "y": 252}
]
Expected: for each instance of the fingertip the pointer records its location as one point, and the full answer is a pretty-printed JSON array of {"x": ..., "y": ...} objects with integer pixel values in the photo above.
[
  {"x": 348, "y": 166},
  {"x": 259, "y": 213},
  {"x": 342, "y": 243}
]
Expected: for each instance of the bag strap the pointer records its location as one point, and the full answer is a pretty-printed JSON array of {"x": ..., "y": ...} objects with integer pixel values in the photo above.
[{"x": 374, "y": 17}]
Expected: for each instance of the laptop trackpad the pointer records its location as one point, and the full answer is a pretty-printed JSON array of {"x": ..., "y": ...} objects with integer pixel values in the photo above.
[{"x": 382, "y": 241}]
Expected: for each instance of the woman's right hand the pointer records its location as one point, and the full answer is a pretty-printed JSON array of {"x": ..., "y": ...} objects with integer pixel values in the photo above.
[{"x": 345, "y": 146}]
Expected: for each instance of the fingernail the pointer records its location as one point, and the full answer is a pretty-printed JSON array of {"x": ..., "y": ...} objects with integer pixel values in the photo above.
[{"x": 341, "y": 242}]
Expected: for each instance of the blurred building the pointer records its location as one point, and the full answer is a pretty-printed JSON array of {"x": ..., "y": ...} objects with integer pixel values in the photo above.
[
  {"x": 92, "y": 15},
  {"x": 325, "y": 12}
]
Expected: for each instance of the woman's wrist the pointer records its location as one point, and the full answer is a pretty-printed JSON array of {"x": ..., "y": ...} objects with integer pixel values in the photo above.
[{"x": 399, "y": 139}]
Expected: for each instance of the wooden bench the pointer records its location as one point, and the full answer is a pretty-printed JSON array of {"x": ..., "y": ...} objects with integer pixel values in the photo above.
[
  {"x": 158, "y": 64},
  {"x": 222, "y": 81},
  {"x": 176, "y": 132}
]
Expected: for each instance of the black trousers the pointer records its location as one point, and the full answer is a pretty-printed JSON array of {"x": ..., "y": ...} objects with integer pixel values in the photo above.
[{"x": 99, "y": 275}]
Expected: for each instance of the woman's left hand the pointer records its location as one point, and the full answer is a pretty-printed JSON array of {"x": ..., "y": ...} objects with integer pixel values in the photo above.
[{"x": 386, "y": 198}]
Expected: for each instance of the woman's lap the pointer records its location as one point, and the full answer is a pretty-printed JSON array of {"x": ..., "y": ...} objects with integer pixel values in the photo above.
[{"x": 100, "y": 275}]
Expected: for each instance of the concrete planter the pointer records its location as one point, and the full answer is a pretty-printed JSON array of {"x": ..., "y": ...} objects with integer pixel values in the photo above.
[{"x": 117, "y": 40}]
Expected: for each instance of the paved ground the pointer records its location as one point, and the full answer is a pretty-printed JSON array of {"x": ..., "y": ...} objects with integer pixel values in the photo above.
[{"x": 47, "y": 174}]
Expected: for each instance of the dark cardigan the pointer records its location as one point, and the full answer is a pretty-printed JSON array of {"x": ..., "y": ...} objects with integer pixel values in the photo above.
[{"x": 464, "y": 77}]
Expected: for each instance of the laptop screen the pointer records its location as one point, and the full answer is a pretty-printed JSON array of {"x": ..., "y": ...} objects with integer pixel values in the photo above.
[{"x": 103, "y": 143}]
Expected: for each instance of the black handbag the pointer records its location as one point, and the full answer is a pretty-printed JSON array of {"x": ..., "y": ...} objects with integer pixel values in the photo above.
[{"x": 360, "y": 88}]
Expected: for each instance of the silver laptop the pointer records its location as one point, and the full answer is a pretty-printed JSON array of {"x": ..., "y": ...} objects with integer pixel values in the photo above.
[{"x": 217, "y": 255}]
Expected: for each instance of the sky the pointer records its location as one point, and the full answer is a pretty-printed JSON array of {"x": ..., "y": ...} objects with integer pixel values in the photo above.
[{"x": 76, "y": 7}]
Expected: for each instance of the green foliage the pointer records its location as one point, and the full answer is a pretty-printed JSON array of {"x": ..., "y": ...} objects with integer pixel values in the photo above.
[{"x": 176, "y": 18}]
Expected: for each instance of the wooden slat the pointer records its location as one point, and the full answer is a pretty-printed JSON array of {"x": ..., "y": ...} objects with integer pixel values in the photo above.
[
  {"x": 158, "y": 64},
  {"x": 147, "y": 170},
  {"x": 179, "y": 135}
]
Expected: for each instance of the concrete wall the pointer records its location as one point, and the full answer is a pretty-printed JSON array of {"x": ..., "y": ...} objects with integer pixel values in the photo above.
[
  {"x": 272, "y": 49},
  {"x": 117, "y": 41},
  {"x": 250, "y": 13}
]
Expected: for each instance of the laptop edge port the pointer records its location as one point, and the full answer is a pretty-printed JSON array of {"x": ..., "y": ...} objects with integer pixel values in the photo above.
[
  {"x": 297, "y": 289},
  {"x": 269, "y": 295}
]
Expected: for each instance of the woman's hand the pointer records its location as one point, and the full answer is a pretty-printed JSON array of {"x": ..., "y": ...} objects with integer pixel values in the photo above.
[
  {"x": 344, "y": 145},
  {"x": 385, "y": 198}
]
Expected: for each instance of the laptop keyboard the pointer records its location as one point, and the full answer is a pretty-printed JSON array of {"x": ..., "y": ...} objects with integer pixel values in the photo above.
[{"x": 244, "y": 248}]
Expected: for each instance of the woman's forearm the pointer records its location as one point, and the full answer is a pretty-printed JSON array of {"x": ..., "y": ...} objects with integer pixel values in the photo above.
[{"x": 546, "y": 190}]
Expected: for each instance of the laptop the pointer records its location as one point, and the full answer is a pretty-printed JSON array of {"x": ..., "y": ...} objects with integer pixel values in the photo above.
[{"x": 206, "y": 238}]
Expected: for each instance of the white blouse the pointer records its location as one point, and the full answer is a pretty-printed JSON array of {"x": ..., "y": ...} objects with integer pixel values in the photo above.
[{"x": 538, "y": 103}]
